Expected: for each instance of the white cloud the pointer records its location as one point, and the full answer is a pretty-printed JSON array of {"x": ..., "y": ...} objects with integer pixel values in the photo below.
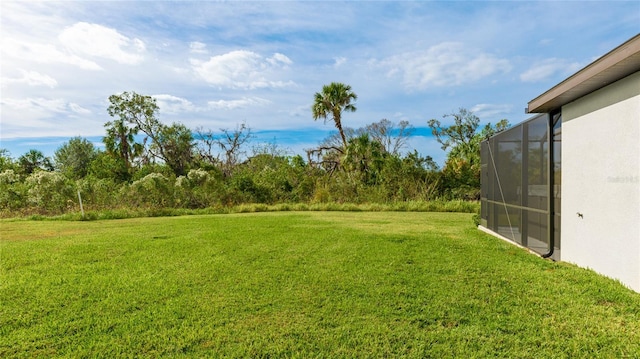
[
  {"x": 99, "y": 41},
  {"x": 174, "y": 104},
  {"x": 32, "y": 78},
  {"x": 47, "y": 53},
  {"x": 445, "y": 64},
  {"x": 279, "y": 59},
  {"x": 545, "y": 69},
  {"x": 339, "y": 61},
  {"x": 197, "y": 47},
  {"x": 242, "y": 70},
  {"x": 45, "y": 105},
  {"x": 38, "y": 116},
  {"x": 236, "y": 104},
  {"x": 486, "y": 110},
  {"x": 74, "y": 107}
]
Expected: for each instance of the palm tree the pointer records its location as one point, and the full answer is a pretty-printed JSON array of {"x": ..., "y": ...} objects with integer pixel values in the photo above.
[
  {"x": 334, "y": 98},
  {"x": 364, "y": 158},
  {"x": 120, "y": 143}
]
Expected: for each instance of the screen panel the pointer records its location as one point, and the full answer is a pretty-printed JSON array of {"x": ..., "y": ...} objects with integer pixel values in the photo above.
[{"x": 516, "y": 183}]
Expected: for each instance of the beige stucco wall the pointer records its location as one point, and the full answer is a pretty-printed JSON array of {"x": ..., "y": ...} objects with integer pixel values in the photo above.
[{"x": 601, "y": 181}]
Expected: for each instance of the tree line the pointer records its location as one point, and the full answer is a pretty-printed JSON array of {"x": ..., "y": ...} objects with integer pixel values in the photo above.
[{"x": 149, "y": 164}]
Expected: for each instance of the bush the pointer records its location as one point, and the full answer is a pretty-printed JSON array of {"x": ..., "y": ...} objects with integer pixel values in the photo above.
[
  {"x": 153, "y": 191},
  {"x": 99, "y": 192},
  {"x": 50, "y": 191},
  {"x": 199, "y": 189},
  {"x": 13, "y": 192}
]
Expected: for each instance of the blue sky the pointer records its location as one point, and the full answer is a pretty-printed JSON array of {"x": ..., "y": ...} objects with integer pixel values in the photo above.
[{"x": 218, "y": 64}]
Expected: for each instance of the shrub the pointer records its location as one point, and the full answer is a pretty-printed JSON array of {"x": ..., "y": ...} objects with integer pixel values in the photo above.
[
  {"x": 99, "y": 192},
  {"x": 13, "y": 192},
  {"x": 153, "y": 190},
  {"x": 50, "y": 191},
  {"x": 198, "y": 189}
]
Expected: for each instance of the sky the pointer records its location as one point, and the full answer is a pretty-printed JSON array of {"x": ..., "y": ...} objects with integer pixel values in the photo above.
[{"x": 216, "y": 65}]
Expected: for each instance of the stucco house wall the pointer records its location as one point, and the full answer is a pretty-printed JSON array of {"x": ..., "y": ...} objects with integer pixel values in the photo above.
[{"x": 601, "y": 181}]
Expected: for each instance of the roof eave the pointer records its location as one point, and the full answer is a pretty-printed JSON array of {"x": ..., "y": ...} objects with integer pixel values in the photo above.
[{"x": 611, "y": 67}]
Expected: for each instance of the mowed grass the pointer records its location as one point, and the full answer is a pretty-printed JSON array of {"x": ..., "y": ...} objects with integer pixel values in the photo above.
[{"x": 299, "y": 284}]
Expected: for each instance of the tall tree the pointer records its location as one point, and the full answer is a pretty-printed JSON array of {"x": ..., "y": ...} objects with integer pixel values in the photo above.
[
  {"x": 74, "y": 158},
  {"x": 364, "y": 159},
  {"x": 133, "y": 113},
  {"x": 462, "y": 167},
  {"x": 33, "y": 160},
  {"x": 229, "y": 143},
  {"x": 121, "y": 145},
  {"x": 390, "y": 135},
  {"x": 175, "y": 146},
  {"x": 171, "y": 144},
  {"x": 460, "y": 134},
  {"x": 462, "y": 137},
  {"x": 331, "y": 102},
  {"x": 132, "y": 108},
  {"x": 6, "y": 162}
]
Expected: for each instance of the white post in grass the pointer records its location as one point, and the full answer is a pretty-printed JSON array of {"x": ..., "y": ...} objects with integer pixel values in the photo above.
[{"x": 80, "y": 201}]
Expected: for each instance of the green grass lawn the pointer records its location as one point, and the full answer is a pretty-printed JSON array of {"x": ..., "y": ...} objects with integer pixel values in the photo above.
[{"x": 299, "y": 284}]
